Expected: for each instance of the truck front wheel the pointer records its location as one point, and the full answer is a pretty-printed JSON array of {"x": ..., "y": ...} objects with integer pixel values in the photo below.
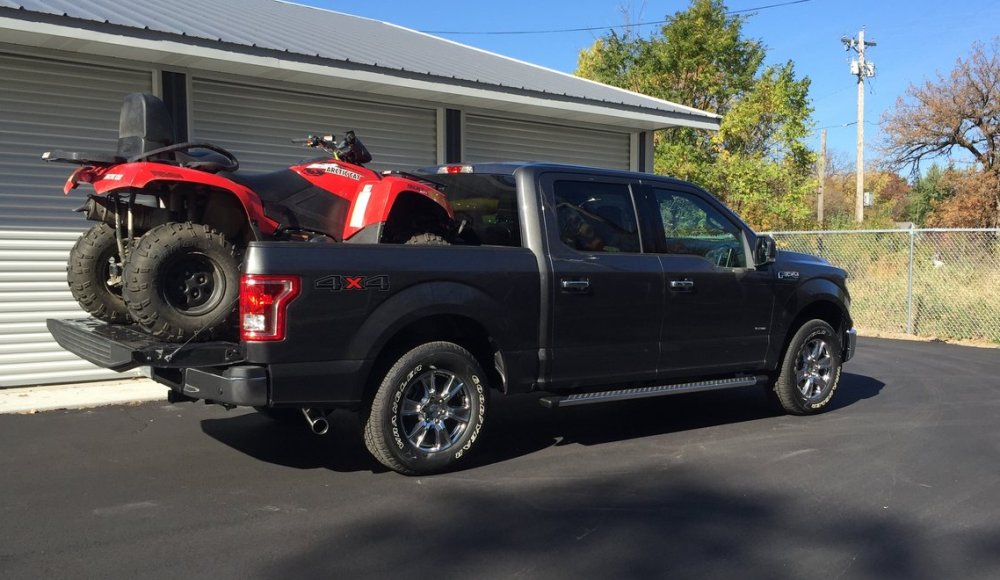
[
  {"x": 810, "y": 371},
  {"x": 428, "y": 411}
]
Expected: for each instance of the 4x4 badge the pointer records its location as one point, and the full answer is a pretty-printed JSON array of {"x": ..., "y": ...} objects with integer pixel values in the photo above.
[{"x": 338, "y": 283}]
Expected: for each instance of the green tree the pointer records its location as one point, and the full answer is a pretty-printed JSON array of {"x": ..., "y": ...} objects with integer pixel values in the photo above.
[
  {"x": 757, "y": 162},
  {"x": 928, "y": 191}
]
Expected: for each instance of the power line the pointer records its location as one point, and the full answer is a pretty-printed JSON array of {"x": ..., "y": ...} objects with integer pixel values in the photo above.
[
  {"x": 590, "y": 28},
  {"x": 851, "y": 124}
]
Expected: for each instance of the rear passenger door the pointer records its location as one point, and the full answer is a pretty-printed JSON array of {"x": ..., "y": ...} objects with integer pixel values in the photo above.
[
  {"x": 717, "y": 310},
  {"x": 606, "y": 295}
]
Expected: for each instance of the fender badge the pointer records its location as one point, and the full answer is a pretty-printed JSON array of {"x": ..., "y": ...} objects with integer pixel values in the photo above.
[
  {"x": 788, "y": 275},
  {"x": 334, "y": 169}
]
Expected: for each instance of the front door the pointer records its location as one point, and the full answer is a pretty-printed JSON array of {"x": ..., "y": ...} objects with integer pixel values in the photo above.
[{"x": 718, "y": 307}]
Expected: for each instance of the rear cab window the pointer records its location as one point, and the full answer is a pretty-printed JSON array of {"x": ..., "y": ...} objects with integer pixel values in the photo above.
[{"x": 485, "y": 206}]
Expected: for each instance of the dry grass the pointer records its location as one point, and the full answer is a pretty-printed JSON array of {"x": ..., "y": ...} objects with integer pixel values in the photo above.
[{"x": 956, "y": 280}]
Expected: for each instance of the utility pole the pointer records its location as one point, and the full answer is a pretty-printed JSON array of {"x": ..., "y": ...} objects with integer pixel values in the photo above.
[
  {"x": 821, "y": 167},
  {"x": 862, "y": 69}
]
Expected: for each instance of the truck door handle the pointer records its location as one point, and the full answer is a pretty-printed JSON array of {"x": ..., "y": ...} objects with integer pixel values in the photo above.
[
  {"x": 682, "y": 285},
  {"x": 575, "y": 285}
]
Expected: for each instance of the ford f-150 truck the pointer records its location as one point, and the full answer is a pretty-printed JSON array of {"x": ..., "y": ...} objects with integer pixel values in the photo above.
[{"x": 583, "y": 285}]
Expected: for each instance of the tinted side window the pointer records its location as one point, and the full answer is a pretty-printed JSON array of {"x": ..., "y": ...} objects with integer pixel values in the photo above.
[
  {"x": 693, "y": 227},
  {"x": 596, "y": 217}
]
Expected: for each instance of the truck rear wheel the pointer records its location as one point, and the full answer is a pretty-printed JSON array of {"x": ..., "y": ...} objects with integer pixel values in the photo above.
[
  {"x": 810, "y": 371},
  {"x": 182, "y": 281},
  {"x": 428, "y": 411},
  {"x": 90, "y": 275}
]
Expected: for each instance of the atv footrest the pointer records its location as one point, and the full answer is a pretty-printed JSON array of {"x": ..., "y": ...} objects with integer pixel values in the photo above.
[{"x": 121, "y": 348}]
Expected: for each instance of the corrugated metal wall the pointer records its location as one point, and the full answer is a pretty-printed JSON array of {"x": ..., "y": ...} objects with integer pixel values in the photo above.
[
  {"x": 47, "y": 104},
  {"x": 497, "y": 139},
  {"x": 258, "y": 123}
]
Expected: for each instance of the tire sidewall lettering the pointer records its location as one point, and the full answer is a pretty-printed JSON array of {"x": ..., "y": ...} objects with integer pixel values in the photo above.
[
  {"x": 399, "y": 442},
  {"x": 834, "y": 350},
  {"x": 397, "y": 397}
]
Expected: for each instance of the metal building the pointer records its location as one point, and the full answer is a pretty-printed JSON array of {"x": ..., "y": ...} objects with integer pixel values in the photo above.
[{"x": 248, "y": 75}]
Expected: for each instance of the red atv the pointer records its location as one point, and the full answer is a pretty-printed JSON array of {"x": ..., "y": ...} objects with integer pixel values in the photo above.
[{"x": 174, "y": 219}]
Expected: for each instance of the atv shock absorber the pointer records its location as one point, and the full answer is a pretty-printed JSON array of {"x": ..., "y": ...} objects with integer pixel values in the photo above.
[{"x": 118, "y": 227}]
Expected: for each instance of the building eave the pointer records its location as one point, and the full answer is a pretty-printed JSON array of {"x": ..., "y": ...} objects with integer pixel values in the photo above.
[{"x": 179, "y": 52}]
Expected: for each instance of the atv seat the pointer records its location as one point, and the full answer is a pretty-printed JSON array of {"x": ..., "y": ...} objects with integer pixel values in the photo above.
[
  {"x": 273, "y": 187},
  {"x": 294, "y": 202}
]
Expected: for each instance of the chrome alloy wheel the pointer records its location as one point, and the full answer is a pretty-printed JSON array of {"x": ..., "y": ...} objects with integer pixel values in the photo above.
[
  {"x": 435, "y": 410},
  {"x": 814, "y": 369}
]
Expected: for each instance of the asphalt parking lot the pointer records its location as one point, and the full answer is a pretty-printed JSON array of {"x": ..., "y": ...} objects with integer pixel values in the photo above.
[{"x": 901, "y": 479}]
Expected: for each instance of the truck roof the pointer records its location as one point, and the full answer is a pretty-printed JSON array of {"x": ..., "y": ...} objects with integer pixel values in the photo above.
[{"x": 509, "y": 167}]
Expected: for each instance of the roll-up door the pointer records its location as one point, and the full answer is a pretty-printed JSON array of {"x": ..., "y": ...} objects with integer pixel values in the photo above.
[
  {"x": 47, "y": 104},
  {"x": 496, "y": 139},
  {"x": 257, "y": 124}
]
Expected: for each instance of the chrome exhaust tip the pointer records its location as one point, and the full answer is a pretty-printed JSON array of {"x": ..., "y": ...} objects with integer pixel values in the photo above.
[{"x": 316, "y": 420}]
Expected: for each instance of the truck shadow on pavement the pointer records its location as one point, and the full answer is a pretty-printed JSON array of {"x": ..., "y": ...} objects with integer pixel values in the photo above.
[{"x": 518, "y": 426}]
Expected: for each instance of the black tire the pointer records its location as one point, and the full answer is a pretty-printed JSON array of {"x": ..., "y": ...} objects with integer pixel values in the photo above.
[
  {"x": 399, "y": 424},
  {"x": 88, "y": 273},
  {"x": 427, "y": 239},
  {"x": 810, "y": 371},
  {"x": 182, "y": 282}
]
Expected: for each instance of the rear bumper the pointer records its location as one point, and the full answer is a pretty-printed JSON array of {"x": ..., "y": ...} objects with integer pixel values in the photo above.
[
  {"x": 237, "y": 385},
  {"x": 213, "y": 371},
  {"x": 850, "y": 343}
]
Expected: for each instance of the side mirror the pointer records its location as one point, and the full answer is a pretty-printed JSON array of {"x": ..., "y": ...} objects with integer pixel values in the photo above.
[{"x": 765, "y": 251}]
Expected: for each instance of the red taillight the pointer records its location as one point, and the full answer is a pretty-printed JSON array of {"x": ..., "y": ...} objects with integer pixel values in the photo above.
[
  {"x": 263, "y": 302},
  {"x": 81, "y": 175}
]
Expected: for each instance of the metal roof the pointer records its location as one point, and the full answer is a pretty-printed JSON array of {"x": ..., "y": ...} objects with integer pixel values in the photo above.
[{"x": 294, "y": 29}]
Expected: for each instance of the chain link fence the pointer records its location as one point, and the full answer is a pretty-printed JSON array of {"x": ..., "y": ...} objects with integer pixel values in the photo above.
[{"x": 928, "y": 282}]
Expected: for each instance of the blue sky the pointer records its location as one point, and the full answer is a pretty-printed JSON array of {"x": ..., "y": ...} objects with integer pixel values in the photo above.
[{"x": 916, "y": 39}]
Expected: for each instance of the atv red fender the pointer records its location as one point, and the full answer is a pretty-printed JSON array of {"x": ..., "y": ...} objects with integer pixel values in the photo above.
[
  {"x": 374, "y": 200},
  {"x": 370, "y": 195},
  {"x": 140, "y": 175}
]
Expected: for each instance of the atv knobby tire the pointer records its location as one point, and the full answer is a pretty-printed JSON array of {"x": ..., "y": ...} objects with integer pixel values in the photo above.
[
  {"x": 182, "y": 282},
  {"x": 428, "y": 411},
  {"x": 427, "y": 239},
  {"x": 89, "y": 275}
]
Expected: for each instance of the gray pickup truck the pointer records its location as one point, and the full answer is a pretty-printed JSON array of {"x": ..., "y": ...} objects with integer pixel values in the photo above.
[{"x": 583, "y": 285}]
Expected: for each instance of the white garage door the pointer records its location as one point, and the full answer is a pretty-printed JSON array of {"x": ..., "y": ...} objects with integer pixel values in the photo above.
[
  {"x": 257, "y": 124},
  {"x": 47, "y": 104},
  {"x": 496, "y": 139}
]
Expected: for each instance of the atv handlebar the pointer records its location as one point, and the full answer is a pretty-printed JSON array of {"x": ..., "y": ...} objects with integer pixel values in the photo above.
[{"x": 350, "y": 149}]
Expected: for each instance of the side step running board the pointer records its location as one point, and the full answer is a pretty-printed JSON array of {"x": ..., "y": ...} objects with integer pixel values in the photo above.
[{"x": 645, "y": 392}]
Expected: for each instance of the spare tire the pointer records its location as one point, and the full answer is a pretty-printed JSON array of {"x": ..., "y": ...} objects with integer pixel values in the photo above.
[
  {"x": 182, "y": 283},
  {"x": 90, "y": 278}
]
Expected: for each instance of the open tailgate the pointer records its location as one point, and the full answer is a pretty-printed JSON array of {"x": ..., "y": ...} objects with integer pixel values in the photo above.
[{"x": 121, "y": 348}]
